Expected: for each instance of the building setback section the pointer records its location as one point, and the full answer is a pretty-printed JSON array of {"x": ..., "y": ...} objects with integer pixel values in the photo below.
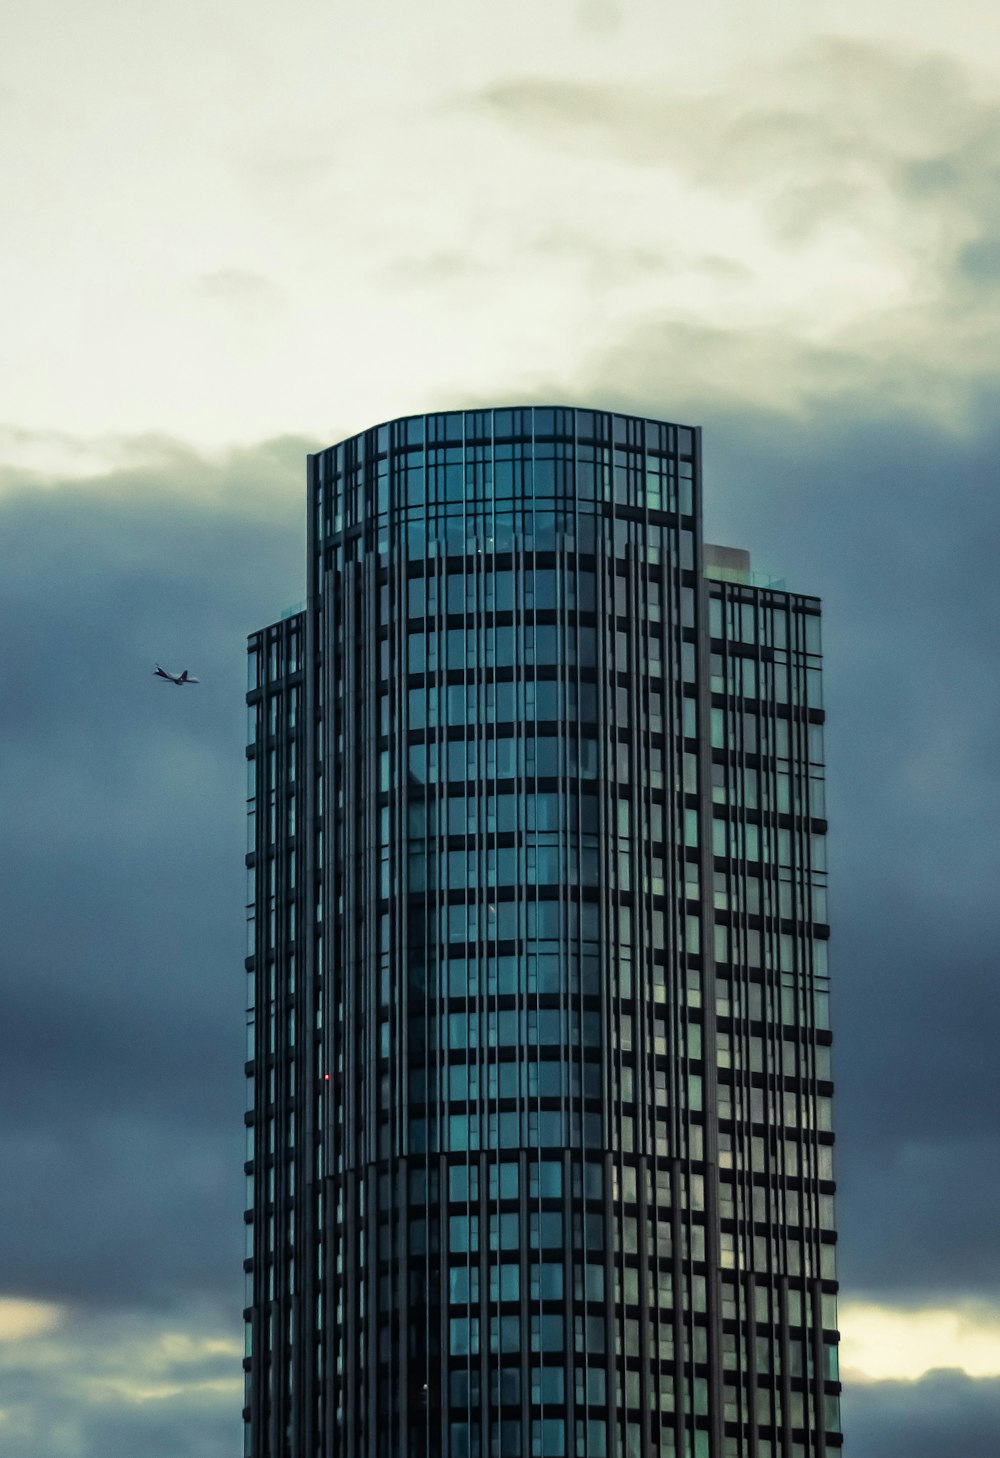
[{"x": 540, "y": 1159}]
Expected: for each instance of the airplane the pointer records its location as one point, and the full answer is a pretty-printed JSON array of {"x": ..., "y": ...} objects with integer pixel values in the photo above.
[{"x": 178, "y": 678}]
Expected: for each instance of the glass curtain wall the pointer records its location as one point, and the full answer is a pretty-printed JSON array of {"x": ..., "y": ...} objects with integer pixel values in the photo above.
[{"x": 538, "y": 1150}]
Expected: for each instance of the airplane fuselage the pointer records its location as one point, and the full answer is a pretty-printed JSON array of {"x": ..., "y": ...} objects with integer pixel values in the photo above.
[{"x": 175, "y": 678}]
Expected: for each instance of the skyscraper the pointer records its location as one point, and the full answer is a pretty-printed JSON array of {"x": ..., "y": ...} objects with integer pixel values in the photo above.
[{"x": 539, "y": 1149}]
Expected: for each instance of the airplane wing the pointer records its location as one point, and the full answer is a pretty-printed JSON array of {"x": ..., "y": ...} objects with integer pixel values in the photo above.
[{"x": 159, "y": 672}]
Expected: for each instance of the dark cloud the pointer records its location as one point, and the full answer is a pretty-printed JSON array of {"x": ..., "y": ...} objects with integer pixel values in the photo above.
[
  {"x": 121, "y": 1066},
  {"x": 945, "y": 1415},
  {"x": 121, "y": 1070},
  {"x": 893, "y": 521}
]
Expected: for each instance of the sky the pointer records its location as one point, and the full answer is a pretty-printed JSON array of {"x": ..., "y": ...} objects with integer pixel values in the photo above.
[{"x": 236, "y": 233}]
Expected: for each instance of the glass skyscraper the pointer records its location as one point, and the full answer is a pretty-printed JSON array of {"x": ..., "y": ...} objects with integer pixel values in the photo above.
[{"x": 539, "y": 1149}]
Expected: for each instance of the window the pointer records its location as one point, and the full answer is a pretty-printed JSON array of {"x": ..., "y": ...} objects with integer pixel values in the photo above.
[
  {"x": 546, "y": 1333},
  {"x": 464, "y": 1336}
]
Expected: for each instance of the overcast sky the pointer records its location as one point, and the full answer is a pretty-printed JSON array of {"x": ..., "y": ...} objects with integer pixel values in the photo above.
[{"x": 234, "y": 233}]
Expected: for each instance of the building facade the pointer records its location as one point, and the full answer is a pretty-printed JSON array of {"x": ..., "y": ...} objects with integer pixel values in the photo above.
[{"x": 539, "y": 1149}]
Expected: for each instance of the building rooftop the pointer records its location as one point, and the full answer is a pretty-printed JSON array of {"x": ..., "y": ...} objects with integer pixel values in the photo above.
[{"x": 727, "y": 564}]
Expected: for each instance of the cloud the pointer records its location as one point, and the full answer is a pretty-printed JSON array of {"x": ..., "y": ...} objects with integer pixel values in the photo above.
[
  {"x": 239, "y": 287},
  {"x": 562, "y": 250},
  {"x": 946, "y": 1415},
  {"x": 854, "y": 183},
  {"x": 20, "y": 1319},
  {"x": 891, "y": 521},
  {"x": 881, "y": 1343},
  {"x": 979, "y": 260},
  {"x": 759, "y": 368},
  {"x": 122, "y": 837},
  {"x": 600, "y": 17},
  {"x": 444, "y": 267},
  {"x": 123, "y": 1384},
  {"x": 602, "y": 260},
  {"x": 833, "y": 110}
]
